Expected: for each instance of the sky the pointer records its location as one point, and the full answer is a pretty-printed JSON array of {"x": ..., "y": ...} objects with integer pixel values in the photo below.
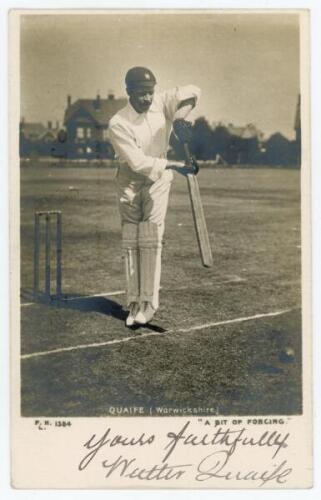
[{"x": 247, "y": 65}]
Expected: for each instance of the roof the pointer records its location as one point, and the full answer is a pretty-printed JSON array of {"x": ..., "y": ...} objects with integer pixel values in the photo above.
[
  {"x": 101, "y": 110},
  {"x": 49, "y": 134},
  {"x": 33, "y": 130},
  {"x": 238, "y": 131},
  {"x": 248, "y": 132}
]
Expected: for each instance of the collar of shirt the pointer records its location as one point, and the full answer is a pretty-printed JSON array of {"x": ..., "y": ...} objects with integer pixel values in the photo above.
[{"x": 133, "y": 115}]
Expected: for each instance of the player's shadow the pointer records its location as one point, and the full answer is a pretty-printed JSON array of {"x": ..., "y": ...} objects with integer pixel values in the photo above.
[
  {"x": 148, "y": 326},
  {"x": 104, "y": 306},
  {"x": 100, "y": 305}
]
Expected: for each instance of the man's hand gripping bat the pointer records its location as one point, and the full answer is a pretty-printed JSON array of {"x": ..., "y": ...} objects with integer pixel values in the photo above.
[{"x": 183, "y": 131}]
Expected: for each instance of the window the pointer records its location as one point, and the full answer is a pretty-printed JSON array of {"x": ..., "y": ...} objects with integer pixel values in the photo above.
[
  {"x": 80, "y": 133},
  {"x": 105, "y": 134},
  {"x": 88, "y": 133}
]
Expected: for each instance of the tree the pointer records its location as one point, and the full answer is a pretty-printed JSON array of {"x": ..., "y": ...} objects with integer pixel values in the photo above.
[
  {"x": 222, "y": 142},
  {"x": 203, "y": 143},
  {"x": 279, "y": 150}
]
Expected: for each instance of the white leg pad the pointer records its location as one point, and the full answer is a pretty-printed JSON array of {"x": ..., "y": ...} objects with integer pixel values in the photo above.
[
  {"x": 150, "y": 251},
  {"x": 131, "y": 259}
]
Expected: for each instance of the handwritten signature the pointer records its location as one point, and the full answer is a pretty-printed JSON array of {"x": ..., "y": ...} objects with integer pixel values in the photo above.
[{"x": 224, "y": 443}]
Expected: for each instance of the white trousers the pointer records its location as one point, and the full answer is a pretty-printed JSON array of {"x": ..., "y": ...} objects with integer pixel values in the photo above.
[{"x": 141, "y": 200}]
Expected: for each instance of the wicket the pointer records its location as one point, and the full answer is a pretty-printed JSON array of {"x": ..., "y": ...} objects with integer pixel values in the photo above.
[{"x": 36, "y": 283}]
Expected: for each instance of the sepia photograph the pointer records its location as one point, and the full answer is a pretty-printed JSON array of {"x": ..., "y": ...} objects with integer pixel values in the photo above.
[
  {"x": 160, "y": 214},
  {"x": 161, "y": 238}
]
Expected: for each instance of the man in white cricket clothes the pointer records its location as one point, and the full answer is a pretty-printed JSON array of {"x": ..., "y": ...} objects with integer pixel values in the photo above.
[{"x": 140, "y": 135}]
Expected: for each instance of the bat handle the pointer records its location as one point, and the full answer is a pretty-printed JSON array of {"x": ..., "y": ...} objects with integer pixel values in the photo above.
[
  {"x": 187, "y": 154},
  {"x": 191, "y": 163}
]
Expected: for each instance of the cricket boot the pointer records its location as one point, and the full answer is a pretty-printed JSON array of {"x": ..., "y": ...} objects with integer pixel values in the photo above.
[
  {"x": 145, "y": 313},
  {"x": 133, "y": 310},
  {"x": 131, "y": 260}
]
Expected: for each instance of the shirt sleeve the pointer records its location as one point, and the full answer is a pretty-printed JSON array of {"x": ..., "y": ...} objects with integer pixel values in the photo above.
[
  {"x": 173, "y": 97},
  {"x": 127, "y": 150}
]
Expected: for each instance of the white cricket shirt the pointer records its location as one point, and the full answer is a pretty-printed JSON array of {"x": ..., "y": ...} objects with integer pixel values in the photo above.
[{"x": 141, "y": 139}]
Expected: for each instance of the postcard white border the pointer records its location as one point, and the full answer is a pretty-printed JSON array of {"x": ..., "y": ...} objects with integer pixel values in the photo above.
[{"x": 315, "y": 186}]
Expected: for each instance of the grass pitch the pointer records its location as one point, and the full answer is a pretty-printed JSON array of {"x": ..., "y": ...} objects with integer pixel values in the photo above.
[{"x": 182, "y": 362}]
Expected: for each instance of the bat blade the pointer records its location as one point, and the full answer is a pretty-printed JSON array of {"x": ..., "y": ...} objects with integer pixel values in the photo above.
[{"x": 199, "y": 221}]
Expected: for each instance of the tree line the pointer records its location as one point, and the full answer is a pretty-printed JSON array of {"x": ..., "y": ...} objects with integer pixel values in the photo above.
[{"x": 220, "y": 144}]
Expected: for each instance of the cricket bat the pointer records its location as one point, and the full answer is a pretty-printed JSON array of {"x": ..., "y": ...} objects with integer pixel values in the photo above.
[
  {"x": 198, "y": 213},
  {"x": 182, "y": 130},
  {"x": 199, "y": 220}
]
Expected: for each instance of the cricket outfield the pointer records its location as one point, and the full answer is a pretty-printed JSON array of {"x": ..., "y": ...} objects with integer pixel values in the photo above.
[{"x": 222, "y": 336}]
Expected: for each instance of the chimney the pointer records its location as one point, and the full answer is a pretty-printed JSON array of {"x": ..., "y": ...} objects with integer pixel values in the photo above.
[
  {"x": 68, "y": 100},
  {"x": 97, "y": 103},
  {"x": 49, "y": 125}
]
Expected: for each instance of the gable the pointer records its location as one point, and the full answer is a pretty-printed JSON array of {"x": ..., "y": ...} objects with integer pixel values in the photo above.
[
  {"x": 81, "y": 116},
  {"x": 32, "y": 131},
  {"x": 97, "y": 112}
]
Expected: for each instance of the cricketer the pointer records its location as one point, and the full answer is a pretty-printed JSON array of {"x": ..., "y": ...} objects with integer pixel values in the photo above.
[{"x": 140, "y": 135}]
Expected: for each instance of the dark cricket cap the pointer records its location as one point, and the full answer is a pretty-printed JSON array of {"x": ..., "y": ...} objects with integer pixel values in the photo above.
[{"x": 140, "y": 77}]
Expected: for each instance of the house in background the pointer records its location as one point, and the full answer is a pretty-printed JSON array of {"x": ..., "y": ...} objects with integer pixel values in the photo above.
[
  {"x": 86, "y": 122},
  {"x": 36, "y": 139}
]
